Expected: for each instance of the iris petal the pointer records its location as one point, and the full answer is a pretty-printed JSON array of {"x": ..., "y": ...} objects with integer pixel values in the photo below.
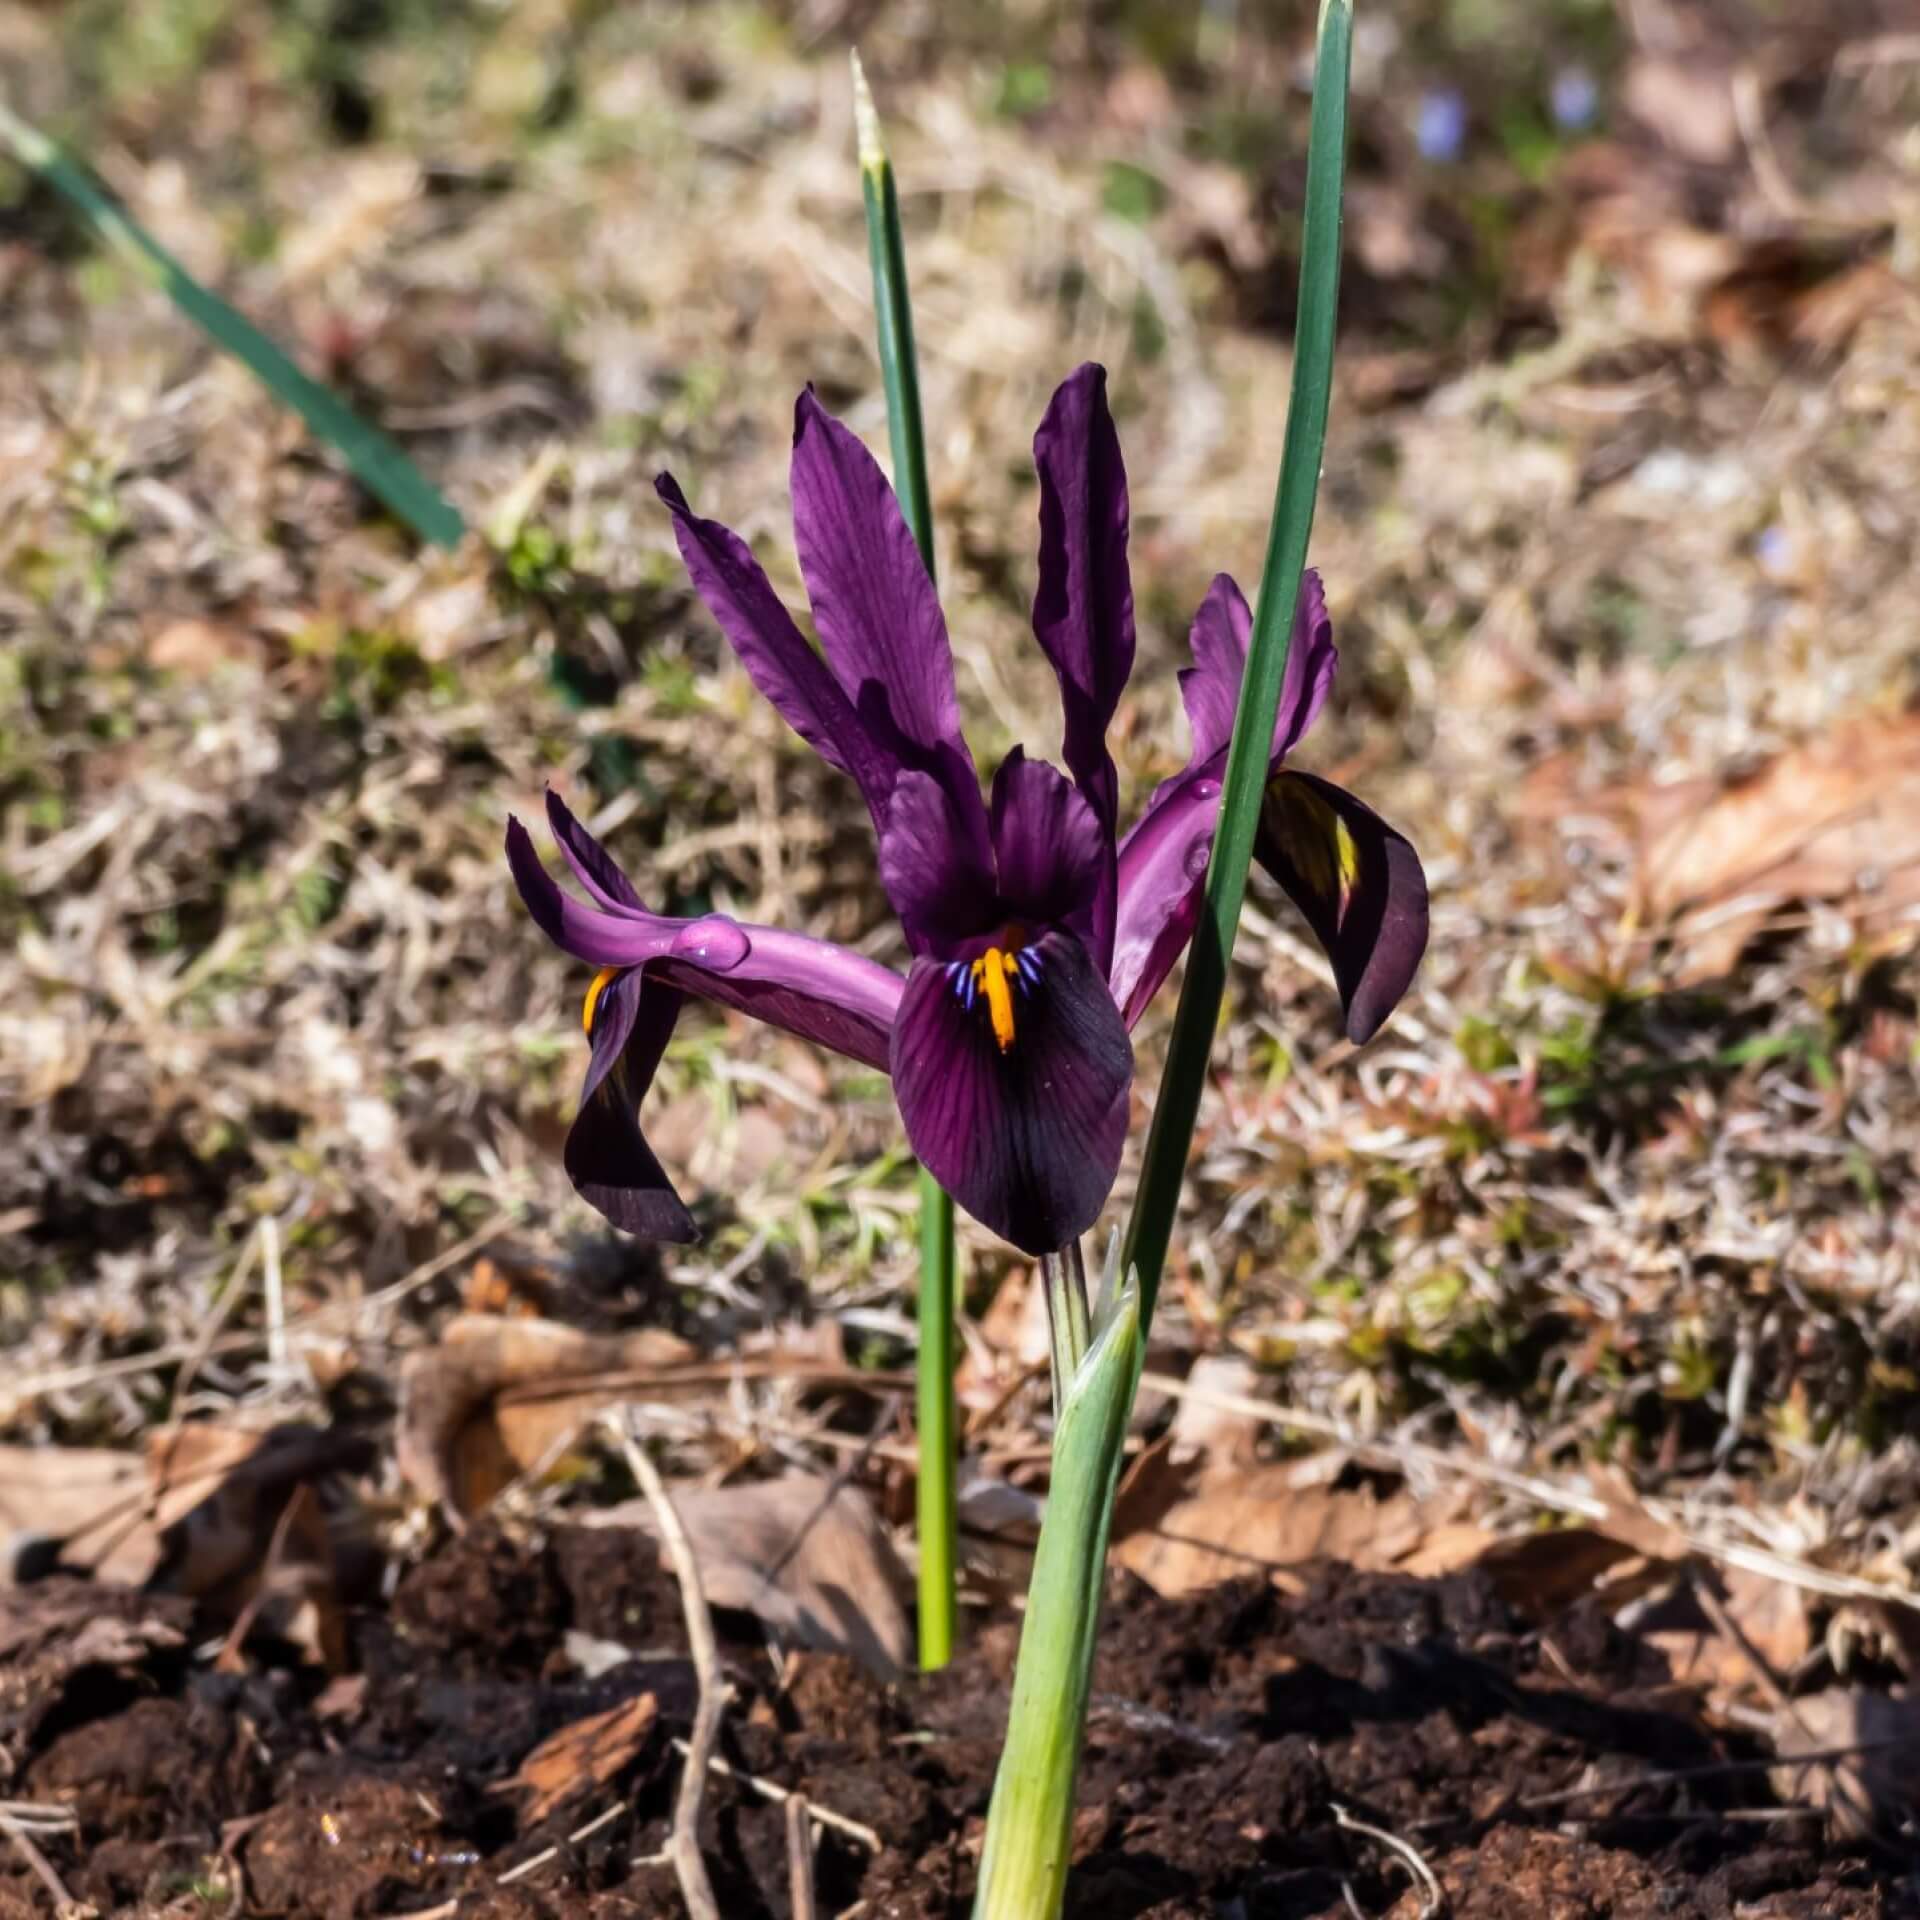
[
  {"x": 929, "y": 866},
  {"x": 807, "y": 987},
  {"x": 607, "y": 1156},
  {"x": 1052, "y": 851},
  {"x": 1358, "y": 883},
  {"x": 787, "y": 671},
  {"x": 1027, "y": 1137},
  {"x": 1221, "y": 632},
  {"x": 1083, "y": 609},
  {"x": 1163, "y": 860},
  {"x": 879, "y": 618}
]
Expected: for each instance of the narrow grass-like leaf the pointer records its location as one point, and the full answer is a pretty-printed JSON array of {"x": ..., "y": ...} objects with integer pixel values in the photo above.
[
  {"x": 936, "y": 1514},
  {"x": 1023, "y": 1865},
  {"x": 379, "y": 465},
  {"x": 1178, "y": 1106}
]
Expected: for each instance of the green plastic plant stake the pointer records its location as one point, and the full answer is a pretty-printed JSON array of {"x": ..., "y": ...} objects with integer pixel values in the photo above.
[
  {"x": 376, "y": 462},
  {"x": 1244, "y": 786},
  {"x": 1023, "y": 1866},
  {"x": 899, "y": 370}
]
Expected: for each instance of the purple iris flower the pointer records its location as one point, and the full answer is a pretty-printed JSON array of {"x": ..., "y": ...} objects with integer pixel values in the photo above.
[{"x": 1037, "y": 934}]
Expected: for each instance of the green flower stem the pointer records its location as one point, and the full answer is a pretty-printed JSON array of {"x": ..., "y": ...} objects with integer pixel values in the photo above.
[
  {"x": 899, "y": 370},
  {"x": 936, "y": 1506},
  {"x": 376, "y": 462},
  {"x": 1174, "y": 1113}
]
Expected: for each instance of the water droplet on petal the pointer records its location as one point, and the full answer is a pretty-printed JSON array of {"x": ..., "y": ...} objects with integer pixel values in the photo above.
[{"x": 716, "y": 943}]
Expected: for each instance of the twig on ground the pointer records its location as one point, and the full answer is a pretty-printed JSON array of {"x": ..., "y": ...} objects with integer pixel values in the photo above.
[
  {"x": 800, "y": 1860},
  {"x": 1433, "y": 1897},
  {"x": 15, "y": 1830},
  {"x": 768, "y": 1790},
  {"x": 688, "y": 1866},
  {"x": 1679, "y": 1776},
  {"x": 604, "y": 1818},
  {"x": 273, "y": 1287}
]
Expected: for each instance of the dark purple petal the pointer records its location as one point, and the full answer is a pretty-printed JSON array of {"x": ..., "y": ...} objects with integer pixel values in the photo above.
[
  {"x": 595, "y": 935},
  {"x": 1163, "y": 869},
  {"x": 842, "y": 1025},
  {"x": 879, "y": 618},
  {"x": 1053, "y": 852},
  {"x": 1163, "y": 860},
  {"x": 593, "y": 866},
  {"x": 1083, "y": 610},
  {"x": 774, "y": 651},
  {"x": 1359, "y": 884},
  {"x": 808, "y": 987},
  {"x": 1211, "y": 686},
  {"x": 938, "y": 886},
  {"x": 1027, "y": 1139},
  {"x": 607, "y": 1157}
]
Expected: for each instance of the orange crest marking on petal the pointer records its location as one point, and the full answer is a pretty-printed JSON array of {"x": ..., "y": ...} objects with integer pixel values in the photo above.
[
  {"x": 993, "y": 975},
  {"x": 599, "y": 986}
]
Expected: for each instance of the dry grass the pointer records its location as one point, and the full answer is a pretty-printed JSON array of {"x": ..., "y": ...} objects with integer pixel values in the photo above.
[{"x": 262, "y": 963}]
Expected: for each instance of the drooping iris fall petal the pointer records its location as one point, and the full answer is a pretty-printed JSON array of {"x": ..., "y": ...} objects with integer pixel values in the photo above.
[
  {"x": 649, "y": 964},
  {"x": 1020, "y": 1111},
  {"x": 1358, "y": 883},
  {"x": 808, "y": 987},
  {"x": 606, "y": 1155}
]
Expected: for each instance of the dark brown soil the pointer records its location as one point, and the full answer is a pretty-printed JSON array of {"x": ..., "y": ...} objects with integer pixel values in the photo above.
[{"x": 1234, "y": 1739}]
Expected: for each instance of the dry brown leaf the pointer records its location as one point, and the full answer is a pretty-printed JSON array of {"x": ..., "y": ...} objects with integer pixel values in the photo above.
[
  {"x": 497, "y": 1397},
  {"x": 198, "y": 647},
  {"x": 1879, "y": 1785},
  {"x": 584, "y": 1754},
  {"x": 1183, "y": 1528},
  {"x": 1771, "y": 1620},
  {"x": 808, "y": 1556},
  {"x": 1540, "y": 1574},
  {"x": 195, "y": 1514},
  {"x": 1835, "y": 819}
]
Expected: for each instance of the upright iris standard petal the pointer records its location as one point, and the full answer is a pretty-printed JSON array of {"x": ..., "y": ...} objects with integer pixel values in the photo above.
[
  {"x": 1359, "y": 884},
  {"x": 1163, "y": 860},
  {"x": 1222, "y": 630},
  {"x": 1083, "y": 610},
  {"x": 1054, "y": 856},
  {"x": 607, "y": 1156},
  {"x": 879, "y": 618},
  {"x": 796, "y": 682},
  {"x": 1014, "y": 1090},
  {"x": 930, "y": 868}
]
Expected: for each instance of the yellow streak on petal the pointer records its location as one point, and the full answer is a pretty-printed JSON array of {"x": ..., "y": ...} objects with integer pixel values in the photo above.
[
  {"x": 993, "y": 975},
  {"x": 594, "y": 992}
]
